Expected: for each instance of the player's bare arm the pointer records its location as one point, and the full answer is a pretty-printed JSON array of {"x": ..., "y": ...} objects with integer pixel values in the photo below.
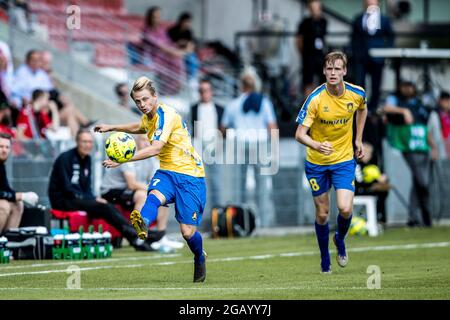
[
  {"x": 133, "y": 128},
  {"x": 361, "y": 115},
  {"x": 153, "y": 150},
  {"x": 148, "y": 152},
  {"x": 301, "y": 135}
]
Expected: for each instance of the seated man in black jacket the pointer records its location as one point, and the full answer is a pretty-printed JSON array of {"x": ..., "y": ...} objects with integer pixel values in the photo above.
[
  {"x": 11, "y": 202},
  {"x": 70, "y": 189}
]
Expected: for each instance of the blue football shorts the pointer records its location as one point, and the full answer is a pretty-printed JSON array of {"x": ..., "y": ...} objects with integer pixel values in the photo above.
[
  {"x": 187, "y": 192},
  {"x": 321, "y": 177}
]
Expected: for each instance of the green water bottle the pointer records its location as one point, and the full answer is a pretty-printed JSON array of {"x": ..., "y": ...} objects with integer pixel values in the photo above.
[
  {"x": 108, "y": 245},
  {"x": 88, "y": 247},
  {"x": 76, "y": 246},
  {"x": 70, "y": 243},
  {"x": 58, "y": 247},
  {"x": 4, "y": 251}
]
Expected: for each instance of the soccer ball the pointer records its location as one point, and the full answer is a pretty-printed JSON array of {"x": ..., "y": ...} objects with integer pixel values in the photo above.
[
  {"x": 358, "y": 227},
  {"x": 371, "y": 173},
  {"x": 120, "y": 147}
]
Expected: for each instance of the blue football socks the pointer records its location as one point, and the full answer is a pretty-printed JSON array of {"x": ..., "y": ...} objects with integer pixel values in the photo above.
[
  {"x": 343, "y": 225},
  {"x": 195, "y": 243},
  {"x": 149, "y": 212},
  {"x": 323, "y": 234}
]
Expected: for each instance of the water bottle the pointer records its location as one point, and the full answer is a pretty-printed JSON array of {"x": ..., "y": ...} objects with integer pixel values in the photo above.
[
  {"x": 108, "y": 245},
  {"x": 88, "y": 248},
  {"x": 99, "y": 248},
  {"x": 4, "y": 251},
  {"x": 71, "y": 243},
  {"x": 58, "y": 247},
  {"x": 76, "y": 246}
]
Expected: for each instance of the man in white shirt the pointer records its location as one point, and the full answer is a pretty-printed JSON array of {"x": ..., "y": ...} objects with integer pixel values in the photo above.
[
  {"x": 252, "y": 116},
  {"x": 206, "y": 116},
  {"x": 29, "y": 77}
]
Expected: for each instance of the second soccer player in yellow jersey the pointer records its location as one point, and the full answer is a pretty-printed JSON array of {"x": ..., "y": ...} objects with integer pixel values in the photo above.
[{"x": 325, "y": 126}]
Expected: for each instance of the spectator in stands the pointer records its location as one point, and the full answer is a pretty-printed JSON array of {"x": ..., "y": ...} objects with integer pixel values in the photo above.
[
  {"x": 11, "y": 202},
  {"x": 36, "y": 118},
  {"x": 252, "y": 117},
  {"x": 6, "y": 120},
  {"x": 407, "y": 131},
  {"x": 69, "y": 114},
  {"x": 127, "y": 186},
  {"x": 162, "y": 52},
  {"x": 29, "y": 77},
  {"x": 437, "y": 123},
  {"x": 310, "y": 39},
  {"x": 444, "y": 114},
  {"x": 6, "y": 70},
  {"x": 370, "y": 30},
  {"x": 70, "y": 189},
  {"x": 181, "y": 34},
  {"x": 206, "y": 116},
  {"x": 20, "y": 15},
  {"x": 121, "y": 90},
  {"x": 47, "y": 60},
  {"x": 369, "y": 180}
]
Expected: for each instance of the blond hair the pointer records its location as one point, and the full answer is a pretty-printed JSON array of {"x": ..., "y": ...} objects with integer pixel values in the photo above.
[
  {"x": 143, "y": 83},
  {"x": 333, "y": 56}
]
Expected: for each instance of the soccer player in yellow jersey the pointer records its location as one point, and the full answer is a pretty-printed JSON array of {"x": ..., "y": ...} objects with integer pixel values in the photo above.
[
  {"x": 327, "y": 115},
  {"x": 179, "y": 180}
]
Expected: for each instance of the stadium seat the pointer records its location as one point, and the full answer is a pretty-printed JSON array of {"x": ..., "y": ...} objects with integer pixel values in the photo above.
[
  {"x": 110, "y": 55},
  {"x": 370, "y": 202},
  {"x": 74, "y": 218},
  {"x": 55, "y": 6},
  {"x": 80, "y": 218}
]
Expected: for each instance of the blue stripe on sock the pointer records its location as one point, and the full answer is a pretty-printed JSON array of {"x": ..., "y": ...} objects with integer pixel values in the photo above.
[
  {"x": 195, "y": 243},
  {"x": 150, "y": 210}
]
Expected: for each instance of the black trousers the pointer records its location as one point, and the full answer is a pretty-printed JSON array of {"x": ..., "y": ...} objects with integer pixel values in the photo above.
[
  {"x": 419, "y": 163},
  {"x": 376, "y": 71},
  {"x": 104, "y": 211}
]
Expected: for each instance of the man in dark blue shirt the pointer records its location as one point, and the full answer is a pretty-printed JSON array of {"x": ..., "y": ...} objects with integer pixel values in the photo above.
[{"x": 371, "y": 29}]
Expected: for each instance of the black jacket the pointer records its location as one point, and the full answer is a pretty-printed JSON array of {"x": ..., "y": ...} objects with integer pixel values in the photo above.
[
  {"x": 70, "y": 179},
  {"x": 6, "y": 192},
  {"x": 194, "y": 115},
  {"x": 362, "y": 41}
]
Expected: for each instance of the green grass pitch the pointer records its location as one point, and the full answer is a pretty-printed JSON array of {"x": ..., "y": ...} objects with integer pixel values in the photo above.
[{"x": 414, "y": 264}]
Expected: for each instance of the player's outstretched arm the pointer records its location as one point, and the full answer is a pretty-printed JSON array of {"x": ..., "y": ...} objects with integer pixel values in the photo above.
[
  {"x": 133, "y": 128},
  {"x": 301, "y": 135},
  {"x": 141, "y": 154},
  {"x": 150, "y": 151}
]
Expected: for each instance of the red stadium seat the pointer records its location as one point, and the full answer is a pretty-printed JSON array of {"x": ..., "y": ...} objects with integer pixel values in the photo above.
[
  {"x": 80, "y": 218},
  {"x": 109, "y": 55},
  {"x": 75, "y": 219},
  {"x": 4, "y": 16},
  {"x": 47, "y": 6}
]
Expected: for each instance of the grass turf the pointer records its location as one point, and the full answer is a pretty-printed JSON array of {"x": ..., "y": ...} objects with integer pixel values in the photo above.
[{"x": 252, "y": 268}]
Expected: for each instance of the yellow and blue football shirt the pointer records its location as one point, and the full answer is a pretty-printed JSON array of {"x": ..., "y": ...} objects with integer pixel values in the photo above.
[
  {"x": 178, "y": 154},
  {"x": 330, "y": 118}
]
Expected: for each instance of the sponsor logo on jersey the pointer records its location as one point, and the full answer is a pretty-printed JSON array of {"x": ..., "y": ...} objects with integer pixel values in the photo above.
[{"x": 333, "y": 122}]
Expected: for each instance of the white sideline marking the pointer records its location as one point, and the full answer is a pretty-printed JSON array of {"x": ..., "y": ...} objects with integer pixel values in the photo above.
[
  {"x": 212, "y": 289},
  {"x": 38, "y": 265},
  {"x": 257, "y": 257},
  {"x": 65, "y": 270}
]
